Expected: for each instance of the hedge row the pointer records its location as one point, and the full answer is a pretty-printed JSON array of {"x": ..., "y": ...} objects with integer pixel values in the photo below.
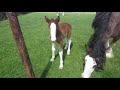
[{"x": 3, "y": 15}]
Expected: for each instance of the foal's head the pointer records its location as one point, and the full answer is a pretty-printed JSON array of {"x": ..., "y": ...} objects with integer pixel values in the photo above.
[{"x": 53, "y": 25}]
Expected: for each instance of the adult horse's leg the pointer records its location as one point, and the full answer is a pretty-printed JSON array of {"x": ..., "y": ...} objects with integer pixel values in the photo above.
[
  {"x": 114, "y": 41},
  {"x": 69, "y": 43},
  {"x": 109, "y": 52},
  {"x": 53, "y": 52},
  {"x": 61, "y": 54}
]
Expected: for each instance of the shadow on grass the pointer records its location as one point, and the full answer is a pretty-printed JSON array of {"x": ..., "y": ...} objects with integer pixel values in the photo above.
[
  {"x": 46, "y": 70},
  {"x": 44, "y": 74},
  {"x": 65, "y": 52}
]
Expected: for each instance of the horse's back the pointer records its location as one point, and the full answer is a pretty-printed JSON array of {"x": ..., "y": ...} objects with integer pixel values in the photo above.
[{"x": 66, "y": 28}]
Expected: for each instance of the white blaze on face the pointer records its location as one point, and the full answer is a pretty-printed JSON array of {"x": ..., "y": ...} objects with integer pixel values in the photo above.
[
  {"x": 88, "y": 69},
  {"x": 53, "y": 31}
]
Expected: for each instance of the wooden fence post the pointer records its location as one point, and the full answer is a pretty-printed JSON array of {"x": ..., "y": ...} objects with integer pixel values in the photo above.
[{"x": 17, "y": 34}]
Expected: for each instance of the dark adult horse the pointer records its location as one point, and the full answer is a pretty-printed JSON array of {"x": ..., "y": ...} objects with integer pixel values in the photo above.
[{"x": 106, "y": 25}]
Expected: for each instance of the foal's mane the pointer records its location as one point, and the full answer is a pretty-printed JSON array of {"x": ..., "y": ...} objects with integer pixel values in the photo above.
[{"x": 96, "y": 41}]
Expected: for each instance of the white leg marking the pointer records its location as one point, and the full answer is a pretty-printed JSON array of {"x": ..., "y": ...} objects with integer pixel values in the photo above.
[
  {"x": 69, "y": 43},
  {"x": 53, "y": 52},
  {"x": 109, "y": 53},
  {"x": 61, "y": 59},
  {"x": 107, "y": 44}
]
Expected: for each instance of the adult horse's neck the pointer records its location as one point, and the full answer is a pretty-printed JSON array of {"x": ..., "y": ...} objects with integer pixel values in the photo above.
[{"x": 100, "y": 36}]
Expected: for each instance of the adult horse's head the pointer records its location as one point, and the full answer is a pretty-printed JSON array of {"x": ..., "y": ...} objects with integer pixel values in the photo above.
[
  {"x": 96, "y": 47},
  {"x": 91, "y": 63},
  {"x": 53, "y": 25}
]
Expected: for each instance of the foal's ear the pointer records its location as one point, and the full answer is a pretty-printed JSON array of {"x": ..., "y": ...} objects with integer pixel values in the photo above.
[
  {"x": 57, "y": 19},
  {"x": 47, "y": 20}
]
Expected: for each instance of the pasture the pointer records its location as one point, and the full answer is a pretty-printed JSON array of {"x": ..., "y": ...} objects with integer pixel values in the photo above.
[{"x": 37, "y": 38}]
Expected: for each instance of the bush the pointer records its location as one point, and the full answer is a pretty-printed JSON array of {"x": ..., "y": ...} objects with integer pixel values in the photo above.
[{"x": 3, "y": 15}]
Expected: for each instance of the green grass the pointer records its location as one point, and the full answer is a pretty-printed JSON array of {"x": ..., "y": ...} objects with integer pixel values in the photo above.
[{"x": 36, "y": 35}]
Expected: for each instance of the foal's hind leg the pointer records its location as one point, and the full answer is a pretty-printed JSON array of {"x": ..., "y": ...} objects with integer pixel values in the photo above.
[
  {"x": 69, "y": 43},
  {"x": 66, "y": 45},
  {"x": 61, "y": 54}
]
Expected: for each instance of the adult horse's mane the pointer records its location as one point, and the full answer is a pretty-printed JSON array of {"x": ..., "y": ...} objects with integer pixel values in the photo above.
[{"x": 97, "y": 40}]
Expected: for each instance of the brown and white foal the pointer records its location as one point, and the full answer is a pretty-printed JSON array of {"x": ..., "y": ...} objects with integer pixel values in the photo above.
[{"x": 58, "y": 33}]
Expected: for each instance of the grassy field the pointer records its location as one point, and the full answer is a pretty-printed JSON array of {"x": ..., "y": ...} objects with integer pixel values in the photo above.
[{"x": 36, "y": 35}]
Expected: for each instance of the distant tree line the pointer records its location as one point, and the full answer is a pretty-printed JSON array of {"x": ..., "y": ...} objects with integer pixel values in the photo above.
[{"x": 3, "y": 15}]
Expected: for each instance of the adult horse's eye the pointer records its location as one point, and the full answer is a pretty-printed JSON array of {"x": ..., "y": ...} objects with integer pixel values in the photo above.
[
  {"x": 95, "y": 66},
  {"x": 83, "y": 64}
]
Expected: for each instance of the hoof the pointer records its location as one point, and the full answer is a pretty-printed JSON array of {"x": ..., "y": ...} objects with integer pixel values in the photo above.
[
  {"x": 60, "y": 67},
  {"x": 68, "y": 53},
  {"x": 51, "y": 59}
]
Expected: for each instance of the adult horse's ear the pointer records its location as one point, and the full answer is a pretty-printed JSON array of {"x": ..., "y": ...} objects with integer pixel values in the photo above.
[
  {"x": 88, "y": 50},
  {"x": 57, "y": 19},
  {"x": 47, "y": 20}
]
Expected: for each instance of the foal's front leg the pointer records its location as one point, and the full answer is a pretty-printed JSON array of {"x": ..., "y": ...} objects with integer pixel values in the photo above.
[
  {"x": 53, "y": 52},
  {"x": 61, "y": 55}
]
